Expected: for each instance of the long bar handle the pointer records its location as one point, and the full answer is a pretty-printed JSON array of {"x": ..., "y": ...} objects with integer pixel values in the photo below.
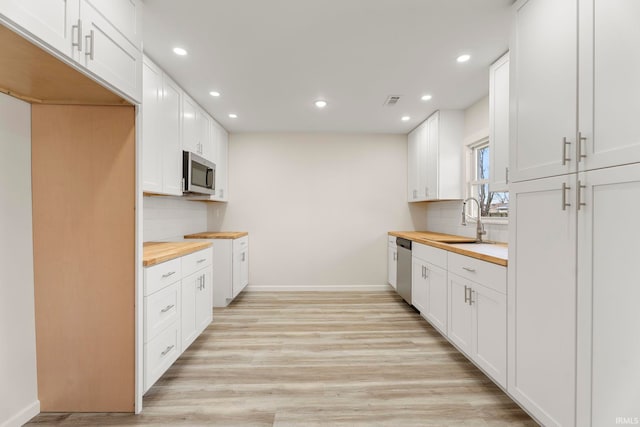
[
  {"x": 579, "y": 201},
  {"x": 565, "y": 159},
  {"x": 466, "y": 294},
  {"x": 78, "y": 43},
  {"x": 89, "y": 51},
  {"x": 579, "y": 154},
  {"x": 167, "y": 350},
  {"x": 565, "y": 188},
  {"x": 167, "y": 308}
]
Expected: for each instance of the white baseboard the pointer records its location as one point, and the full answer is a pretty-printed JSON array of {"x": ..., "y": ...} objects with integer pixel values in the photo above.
[
  {"x": 23, "y": 416},
  {"x": 328, "y": 288}
]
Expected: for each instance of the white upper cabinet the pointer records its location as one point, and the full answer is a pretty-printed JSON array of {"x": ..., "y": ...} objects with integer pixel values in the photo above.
[
  {"x": 609, "y": 95},
  {"x": 151, "y": 135},
  {"x": 499, "y": 124},
  {"x": 102, "y": 36},
  {"x": 106, "y": 50},
  {"x": 220, "y": 142},
  {"x": 571, "y": 86},
  {"x": 161, "y": 135},
  {"x": 190, "y": 130},
  {"x": 543, "y": 88},
  {"x": 435, "y": 158},
  {"x": 54, "y": 23}
]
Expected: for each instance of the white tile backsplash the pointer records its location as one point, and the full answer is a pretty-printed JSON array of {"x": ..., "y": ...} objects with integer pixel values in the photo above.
[
  {"x": 445, "y": 217},
  {"x": 170, "y": 218}
]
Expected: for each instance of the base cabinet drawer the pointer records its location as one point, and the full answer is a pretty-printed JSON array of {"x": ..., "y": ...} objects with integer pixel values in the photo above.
[
  {"x": 160, "y": 310},
  {"x": 160, "y": 353},
  {"x": 158, "y": 276},
  {"x": 196, "y": 261}
]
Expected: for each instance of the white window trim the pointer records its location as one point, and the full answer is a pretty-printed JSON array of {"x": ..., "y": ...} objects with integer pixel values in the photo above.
[{"x": 469, "y": 166}]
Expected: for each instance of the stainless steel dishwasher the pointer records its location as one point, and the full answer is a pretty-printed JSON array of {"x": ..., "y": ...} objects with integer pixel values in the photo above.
[{"x": 403, "y": 284}]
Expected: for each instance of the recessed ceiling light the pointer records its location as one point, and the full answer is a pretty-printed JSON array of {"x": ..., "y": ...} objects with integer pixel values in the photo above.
[
  {"x": 233, "y": 116},
  {"x": 463, "y": 58},
  {"x": 405, "y": 118},
  {"x": 179, "y": 51},
  {"x": 426, "y": 97},
  {"x": 214, "y": 93},
  {"x": 321, "y": 104}
]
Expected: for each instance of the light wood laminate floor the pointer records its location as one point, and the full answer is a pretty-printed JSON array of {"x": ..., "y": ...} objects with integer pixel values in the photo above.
[{"x": 318, "y": 359}]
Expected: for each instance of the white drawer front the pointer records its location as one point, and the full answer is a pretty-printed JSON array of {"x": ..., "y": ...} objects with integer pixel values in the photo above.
[
  {"x": 488, "y": 274},
  {"x": 240, "y": 244},
  {"x": 159, "y": 276},
  {"x": 392, "y": 240},
  {"x": 160, "y": 310},
  {"x": 196, "y": 261},
  {"x": 430, "y": 254},
  {"x": 160, "y": 353}
]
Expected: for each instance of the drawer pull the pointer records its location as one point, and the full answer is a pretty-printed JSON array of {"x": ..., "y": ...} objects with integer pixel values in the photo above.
[
  {"x": 201, "y": 260},
  {"x": 171, "y": 273},
  {"x": 167, "y": 308},
  {"x": 167, "y": 350},
  {"x": 469, "y": 269}
]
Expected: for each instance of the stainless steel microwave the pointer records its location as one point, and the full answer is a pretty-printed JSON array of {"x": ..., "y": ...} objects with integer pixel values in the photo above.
[{"x": 198, "y": 174}]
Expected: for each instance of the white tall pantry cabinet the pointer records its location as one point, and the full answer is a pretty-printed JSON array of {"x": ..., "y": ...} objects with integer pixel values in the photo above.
[{"x": 574, "y": 332}]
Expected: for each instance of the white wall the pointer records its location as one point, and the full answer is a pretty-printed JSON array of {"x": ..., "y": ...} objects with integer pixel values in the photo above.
[
  {"x": 317, "y": 206},
  {"x": 444, "y": 217},
  {"x": 18, "y": 383},
  {"x": 170, "y": 218}
]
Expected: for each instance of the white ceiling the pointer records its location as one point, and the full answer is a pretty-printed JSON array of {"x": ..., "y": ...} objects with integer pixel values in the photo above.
[{"x": 271, "y": 59}]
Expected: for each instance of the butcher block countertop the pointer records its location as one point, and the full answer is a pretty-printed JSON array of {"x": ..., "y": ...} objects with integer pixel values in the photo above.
[
  {"x": 217, "y": 235},
  {"x": 495, "y": 253},
  {"x": 157, "y": 252}
]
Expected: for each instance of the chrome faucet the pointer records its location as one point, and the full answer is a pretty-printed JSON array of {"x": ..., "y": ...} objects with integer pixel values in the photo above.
[{"x": 480, "y": 231}]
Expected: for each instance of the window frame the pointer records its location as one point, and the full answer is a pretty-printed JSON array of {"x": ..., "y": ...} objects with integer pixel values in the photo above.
[{"x": 473, "y": 181}]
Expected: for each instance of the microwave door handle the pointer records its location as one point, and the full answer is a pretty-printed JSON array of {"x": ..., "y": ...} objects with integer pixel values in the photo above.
[{"x": 209, "y": 179}]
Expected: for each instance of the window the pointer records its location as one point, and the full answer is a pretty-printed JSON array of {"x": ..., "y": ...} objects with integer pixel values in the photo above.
[{"x": 493, "y": 204}]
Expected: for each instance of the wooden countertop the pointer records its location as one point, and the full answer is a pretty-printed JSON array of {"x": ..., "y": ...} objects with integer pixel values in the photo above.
[
  {"x": 158, "y": 252},
  {"x": 217, "y": 235},
  {"x": 496, "y": 253}
]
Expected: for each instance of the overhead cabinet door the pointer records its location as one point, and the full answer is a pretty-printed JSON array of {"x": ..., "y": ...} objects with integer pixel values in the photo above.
[{"x": 543, "y": 88}]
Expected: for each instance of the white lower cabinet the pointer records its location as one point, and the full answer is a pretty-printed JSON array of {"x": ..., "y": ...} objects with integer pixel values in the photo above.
[
  {"x": 230, "y": 269},
  {"x": 196, "y": 306},
  {"x": 392, "y": 261},
  {"x": 429, "y": 284},
  {"x": 177, "y": 308}
]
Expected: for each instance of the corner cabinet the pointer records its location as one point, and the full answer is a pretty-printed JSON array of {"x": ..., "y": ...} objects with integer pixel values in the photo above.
[
  {"x": 435, "y": 157},
  {"x": 100, "y": 36},
  {"x": 177, "y": 309}
]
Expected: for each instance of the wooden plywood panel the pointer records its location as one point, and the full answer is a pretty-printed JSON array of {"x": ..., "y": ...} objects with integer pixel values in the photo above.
[
  {"x": 83, "y": 170},
  {"x": 28, "y": 72}
]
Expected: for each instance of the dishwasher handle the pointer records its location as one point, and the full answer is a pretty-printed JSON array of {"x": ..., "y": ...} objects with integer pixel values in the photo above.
[{"x": 403, "y": 243}]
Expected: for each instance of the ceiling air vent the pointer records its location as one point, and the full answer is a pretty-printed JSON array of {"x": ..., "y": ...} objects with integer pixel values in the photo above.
[{"x": 392, "y": 100}]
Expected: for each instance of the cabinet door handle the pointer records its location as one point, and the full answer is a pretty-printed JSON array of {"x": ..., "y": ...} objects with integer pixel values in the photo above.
[
  {"x": 579, "y": 154},
  {"x": 565, "y": 188},
  {"x": 244, "y": 256},
  {"x": 167, "y": 350},
  {"x": 565, "y": 159},
  {"x": 469, "y": 269},
  {"x": 579, "y": 201},
  {"x": 471, "y": 292},
  {"x": 204, "y": 282},
  {"x": 77, "y": 43},
  {"x": 426, "y": 272},
  {"x": 466, "y": 294},
  {"x": 167, "y": 308},
  {"x": 89, "y": 50},
  {"x": 395, "y": 256},
  {"x": 201, "y": 260},
  {"x": 171, "y": 273}
]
